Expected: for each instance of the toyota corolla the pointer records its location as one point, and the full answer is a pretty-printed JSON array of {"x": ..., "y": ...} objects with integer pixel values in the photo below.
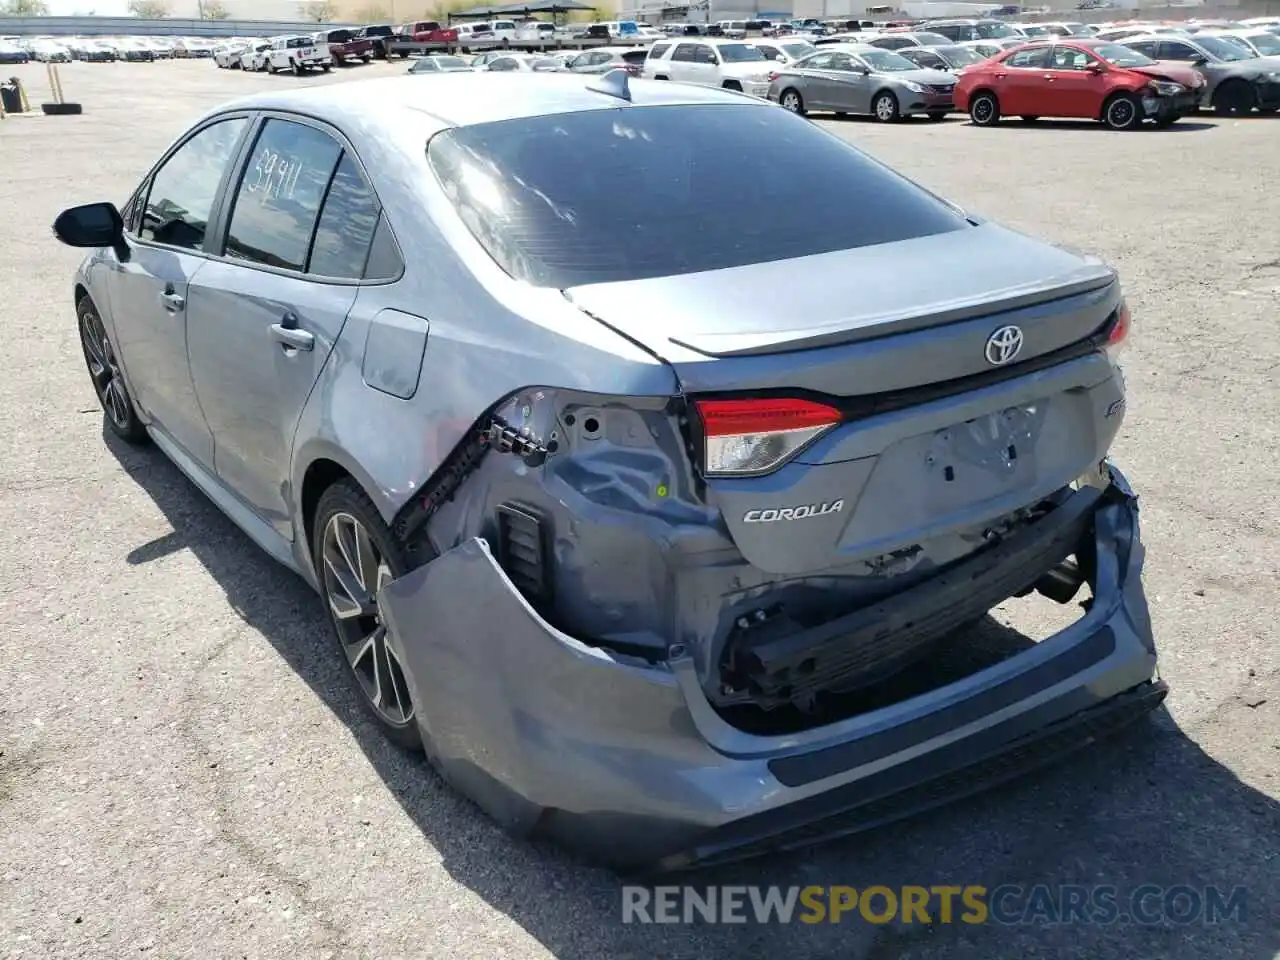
[{"x": 631, "y": 502}]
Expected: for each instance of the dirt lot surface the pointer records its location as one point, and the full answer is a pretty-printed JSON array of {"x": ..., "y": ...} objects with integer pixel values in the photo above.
[{"x": 184, "y": 773}]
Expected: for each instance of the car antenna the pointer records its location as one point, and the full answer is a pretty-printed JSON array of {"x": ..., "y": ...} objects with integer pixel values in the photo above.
[{"x": 613, "y": 84}]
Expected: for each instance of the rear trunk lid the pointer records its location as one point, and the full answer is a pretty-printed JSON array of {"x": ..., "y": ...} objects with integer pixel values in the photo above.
[{"x": 937, "y": 438}]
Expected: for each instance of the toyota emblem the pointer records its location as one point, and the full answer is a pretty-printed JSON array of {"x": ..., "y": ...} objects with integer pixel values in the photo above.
[{"x": 1004, "y": 345}]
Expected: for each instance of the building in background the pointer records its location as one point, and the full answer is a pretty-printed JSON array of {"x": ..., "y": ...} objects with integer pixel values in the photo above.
[{"x": 703, "y": 11}]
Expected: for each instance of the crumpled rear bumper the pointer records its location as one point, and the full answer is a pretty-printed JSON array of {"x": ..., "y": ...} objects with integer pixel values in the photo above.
[{"x": 627, "y": 763}]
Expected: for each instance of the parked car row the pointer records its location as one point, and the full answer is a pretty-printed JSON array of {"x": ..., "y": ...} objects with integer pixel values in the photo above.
[
  {"x": 1155, "y": 78},
  {"x": 103, "y": 49}
]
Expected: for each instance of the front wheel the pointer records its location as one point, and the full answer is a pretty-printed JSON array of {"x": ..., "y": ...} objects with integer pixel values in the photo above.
[
  {"x": 984, "y": 110},
  {"x": 1235, "y": 97},
  {"x": 792, "y": 101},
  {"x": 885, "y": 108},
  {"x": 326, "y": 67},
  {"x": 1122, "y": 112},
  {"x": 355, "y": 556},
  {"x": 104, "y": 373}
]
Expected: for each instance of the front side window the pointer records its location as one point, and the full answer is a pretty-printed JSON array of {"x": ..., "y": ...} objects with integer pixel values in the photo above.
[
  {"x": 658, "y": 49},
  {"x": 280, "y": 194},
  {"x": 184, "y": 189},
  {"x": 1069, "y": 58},
  {"x": 604, "y": 195},
  {"x": 1224, "y": 51},
  {"x": 704, "y": 55}
]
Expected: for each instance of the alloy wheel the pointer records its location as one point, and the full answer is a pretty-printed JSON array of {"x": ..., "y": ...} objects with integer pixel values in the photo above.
[
  {"x": 791, "y": 101},
  {"x": 982, "y": 110},
  {"x": 886, "y": 109},
  {"x": 1120, "y": 113},
  {"x": 104, "y": 370},
  {"x": 354, "y": 572}
]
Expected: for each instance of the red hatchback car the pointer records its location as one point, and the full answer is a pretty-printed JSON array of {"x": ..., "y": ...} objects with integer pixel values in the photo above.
[{"x": 1088, "y": 79}]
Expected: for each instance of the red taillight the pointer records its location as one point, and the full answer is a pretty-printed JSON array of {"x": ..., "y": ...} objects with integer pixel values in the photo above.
[
  {"x": 747, "y": 437},
  {"x": 774, "y": 75},
  {"x": 1119, "y": 331}
]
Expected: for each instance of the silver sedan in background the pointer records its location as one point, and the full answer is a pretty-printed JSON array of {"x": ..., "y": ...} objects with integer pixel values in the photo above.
[
  {"x": 865, "y": 80},
  {"x": 950, "y": 57}
]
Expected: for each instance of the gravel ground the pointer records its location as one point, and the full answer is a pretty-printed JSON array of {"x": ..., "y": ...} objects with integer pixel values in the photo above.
[{"x": 183, "y": 772}]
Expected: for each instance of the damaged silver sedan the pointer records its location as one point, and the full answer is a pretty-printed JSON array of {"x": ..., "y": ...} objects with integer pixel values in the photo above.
[{"x": 645, "y": 495}]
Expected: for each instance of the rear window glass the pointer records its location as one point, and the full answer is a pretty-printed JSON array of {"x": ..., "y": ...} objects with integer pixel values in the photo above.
[{"x": 610, "y": 195}]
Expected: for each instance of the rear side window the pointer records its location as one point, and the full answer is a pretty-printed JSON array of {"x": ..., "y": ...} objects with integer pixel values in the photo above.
[
  {"x": 658, "y": 49},
  {"x": 634, "y": 56},
  {"x": 606, "y": 195},
  {"x": 686, "y": 52},
  {"x": 280, "y": 195},
  {"x": 345, "y": 229}
]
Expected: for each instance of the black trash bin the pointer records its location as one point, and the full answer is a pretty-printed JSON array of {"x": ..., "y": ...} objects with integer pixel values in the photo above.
[{"x": 11, "y": 96}]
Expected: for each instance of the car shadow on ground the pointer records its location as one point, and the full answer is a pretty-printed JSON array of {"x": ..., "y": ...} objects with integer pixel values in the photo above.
[
  {"x": 1149, "y": 807},
  {"x": 1015, "y": 123}
]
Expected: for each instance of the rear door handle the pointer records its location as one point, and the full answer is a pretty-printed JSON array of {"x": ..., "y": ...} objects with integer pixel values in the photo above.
[
  {"x": 1001, "y": 76},
  {"x": 173, "y": 302},
  {"x": 293, "y": 337}
]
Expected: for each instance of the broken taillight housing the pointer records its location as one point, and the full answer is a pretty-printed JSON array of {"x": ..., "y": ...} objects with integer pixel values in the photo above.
[
  {"x": 754, "y": 436},
  {"x": 1119, "y": 330}
]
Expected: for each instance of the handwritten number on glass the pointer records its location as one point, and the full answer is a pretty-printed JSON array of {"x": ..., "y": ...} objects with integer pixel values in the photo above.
[{"x": 276, "y": 177}]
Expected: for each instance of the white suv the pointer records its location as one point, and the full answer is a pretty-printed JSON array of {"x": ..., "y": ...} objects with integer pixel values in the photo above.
[{"x": 731, "y": 64}]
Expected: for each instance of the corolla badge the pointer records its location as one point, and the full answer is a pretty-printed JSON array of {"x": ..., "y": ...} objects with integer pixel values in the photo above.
[
  {"x": 1004, "y": 345},
  {"x": 773, "y": 514}
]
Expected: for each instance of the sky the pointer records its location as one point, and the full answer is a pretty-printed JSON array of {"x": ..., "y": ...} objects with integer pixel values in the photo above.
[{"x": 103, "y": 8}]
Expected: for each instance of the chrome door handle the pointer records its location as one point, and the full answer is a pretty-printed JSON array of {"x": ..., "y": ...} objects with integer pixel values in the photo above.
[
  {"x": 1001, "y": 76},
  {"x": 293, "y": 337},
  {"x": 173, "y": 302}
]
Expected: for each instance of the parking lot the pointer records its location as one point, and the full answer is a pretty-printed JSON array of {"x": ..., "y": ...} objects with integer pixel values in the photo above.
[{"x": 184, "y": 771}]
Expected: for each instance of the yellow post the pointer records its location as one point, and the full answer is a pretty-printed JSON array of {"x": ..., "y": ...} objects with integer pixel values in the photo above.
[{"x": 22, "y": 96}]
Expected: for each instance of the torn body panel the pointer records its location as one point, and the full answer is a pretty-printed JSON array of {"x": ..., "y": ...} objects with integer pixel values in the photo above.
[
  {"x": 629, "y": 762},
  {"x": 597, "y": 511}
]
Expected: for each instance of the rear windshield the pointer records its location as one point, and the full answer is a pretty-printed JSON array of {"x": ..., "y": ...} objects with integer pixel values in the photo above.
[{"x": 610, "y": 195}]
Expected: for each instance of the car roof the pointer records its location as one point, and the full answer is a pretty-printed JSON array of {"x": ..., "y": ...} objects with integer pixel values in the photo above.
[{"x": 462, "y": 99}]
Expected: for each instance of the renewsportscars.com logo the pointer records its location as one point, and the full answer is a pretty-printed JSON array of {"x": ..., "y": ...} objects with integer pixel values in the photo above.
[{"x": 1009, "y": 904}]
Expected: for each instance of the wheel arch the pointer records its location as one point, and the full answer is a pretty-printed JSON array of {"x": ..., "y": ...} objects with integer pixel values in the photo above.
[{"x": 317, "y": 467}]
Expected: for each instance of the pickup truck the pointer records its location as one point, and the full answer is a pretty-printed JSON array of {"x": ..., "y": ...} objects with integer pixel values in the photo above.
[
  {"x": 379, "y": 35},
  {"x": 421, "y": 36},
  {"x": 298, "y": 54},
  {"x": 346, "y": 45}
]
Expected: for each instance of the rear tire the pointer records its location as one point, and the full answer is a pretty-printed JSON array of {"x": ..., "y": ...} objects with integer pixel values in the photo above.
[
  {"x": 885, "y": 108},
  {"x": 792, "y": 101},
  {"x": 345, "y": 516},
  {"x": 1122, "y": 112},
  {"x": 984, "y": 109}
]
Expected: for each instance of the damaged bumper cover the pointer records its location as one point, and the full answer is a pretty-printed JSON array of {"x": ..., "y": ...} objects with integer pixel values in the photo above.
[{"x": 628, "y": 764}]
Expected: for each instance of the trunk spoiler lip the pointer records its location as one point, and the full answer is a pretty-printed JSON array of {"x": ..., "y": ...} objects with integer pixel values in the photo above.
[{"x": 1030, "y": 295}]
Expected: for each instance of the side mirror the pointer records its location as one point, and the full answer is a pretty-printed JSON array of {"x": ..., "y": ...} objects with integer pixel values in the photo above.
[
  {"x": 92, "y": 225},
  {"x": 1199, "y": 61},
  {"x": 1095, "y": 69},
  {"x": 862, "y": 68}
]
